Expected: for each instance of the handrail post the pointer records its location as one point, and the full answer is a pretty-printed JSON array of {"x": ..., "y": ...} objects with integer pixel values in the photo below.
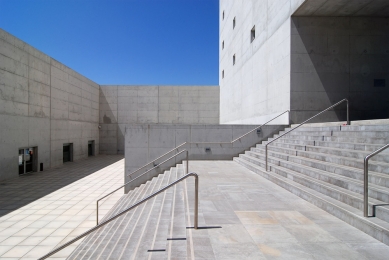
[
  {"x": 196, "y": 213},
  {"x": 348, "y": 119},
  {"x": 266, "y": 155},
  {"x": 366, "y": 179},
  {"x": 366, "y": 187},
  {"x": 187, "y": 162},
  {"x": 97, "y": 212}
]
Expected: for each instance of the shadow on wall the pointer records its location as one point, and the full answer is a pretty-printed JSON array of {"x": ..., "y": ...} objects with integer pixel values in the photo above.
[
  {"x": 339, "y": 57},
  {"x": 18, "y": 192},
  {"x": 109, "y": 143}
]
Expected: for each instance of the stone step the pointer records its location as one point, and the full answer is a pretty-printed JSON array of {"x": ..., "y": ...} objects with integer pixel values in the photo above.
[
  {"x": 308, "y": 179},
  {"x": 375, "y": 227},
  {"x": 120, "y": 237},
  {"x": 380, "y": 179},
  {"x": 357, "y": 154},
  {"x": 375, "y": 166},
  {"x": 91, "y": 243},
  {"x": 176, "y": 245},
  {"x": 344, "y": 139},
  {"x": 156, "y": 228},
  {"x": 125, "y": 230},
  {"x": 369, "y": 134},
  {"x": 349, "y": 146},
  {"x": 375, "y": 191},
  {"x": 341, "y": 127}
]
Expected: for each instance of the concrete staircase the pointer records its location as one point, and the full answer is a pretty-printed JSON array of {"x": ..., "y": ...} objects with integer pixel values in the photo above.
[
  {"x": 157, "y": 229},
  {"x": 324, "y": 165}
]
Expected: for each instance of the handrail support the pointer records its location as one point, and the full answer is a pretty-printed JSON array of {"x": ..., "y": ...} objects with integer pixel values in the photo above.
[
  {"x": 348, "y": 123},
  {"x": 133, "y": 206},
  {"x": 366, "y": 179}
]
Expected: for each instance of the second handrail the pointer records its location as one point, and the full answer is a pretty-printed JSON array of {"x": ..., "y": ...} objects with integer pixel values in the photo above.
[
  {"x": 97, "y": 202},
  {"x": 366, "y": 179},
  {"x": 196, "y": 212},
  {"x": 348, "y": 123}
]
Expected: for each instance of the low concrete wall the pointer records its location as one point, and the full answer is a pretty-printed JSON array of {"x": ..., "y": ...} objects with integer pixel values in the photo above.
[{"x": 144, "y": 143}]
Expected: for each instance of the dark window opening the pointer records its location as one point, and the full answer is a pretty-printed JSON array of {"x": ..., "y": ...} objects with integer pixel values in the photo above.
[
  {"x": 379, "y": 83},
  {"x": 67, "y": 155},
  {"x": 223, "y": 45},
  {"x": 223, "y": 74},
  {"x": 91, "y": 148},
  {"x": 253, "y": 34},
  {"x": 223, "y": 15},
  {"x": 233, "y": 60},
  {"x": 233, "y": 23}
]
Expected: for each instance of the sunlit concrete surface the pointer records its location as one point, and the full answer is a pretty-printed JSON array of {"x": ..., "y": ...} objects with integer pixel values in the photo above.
[
  {"x": 260, "y": 220},
  {"x": 46, "y": 209}
]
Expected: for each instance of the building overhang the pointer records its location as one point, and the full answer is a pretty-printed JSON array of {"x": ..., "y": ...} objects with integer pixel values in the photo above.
[{"x": 376, "y": 8}]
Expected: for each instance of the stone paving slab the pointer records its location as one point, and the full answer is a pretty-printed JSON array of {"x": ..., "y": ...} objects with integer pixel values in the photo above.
[
  {"x": 260, "y": 220},
  {"x": 43, "y": 210}
]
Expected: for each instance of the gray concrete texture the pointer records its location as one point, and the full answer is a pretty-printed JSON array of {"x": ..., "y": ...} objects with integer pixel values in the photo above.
[
  {"x": 123, "y": 105},
  {"x": 339, "y": 57},
  {"x": 42, "y": 103},
  {"x": 257, "y": 87},
  {"x": 344, "y": 8},
  {"x": 304, "y": 64},
  {"x": 145, "y": 143}
]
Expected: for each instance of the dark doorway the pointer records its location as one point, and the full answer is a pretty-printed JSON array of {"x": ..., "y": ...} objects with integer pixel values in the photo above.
[
  {"x": 67, "y": 153},
  {"x": 91, "y": 148},
  {"x": 28, "y": 160}
]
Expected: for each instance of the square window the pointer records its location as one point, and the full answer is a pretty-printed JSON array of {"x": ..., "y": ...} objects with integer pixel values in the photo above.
[{"x": 253, "y": 34}]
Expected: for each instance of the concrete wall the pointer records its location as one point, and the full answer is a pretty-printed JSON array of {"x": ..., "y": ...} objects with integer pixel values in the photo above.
[
  {"x": 144, "y": 143},
  {"x": 123, "y": 105},
  {"x": 339, "y": 57},
  {"x": 257, "y": 87},
  {"x": 42, "y": 103}
]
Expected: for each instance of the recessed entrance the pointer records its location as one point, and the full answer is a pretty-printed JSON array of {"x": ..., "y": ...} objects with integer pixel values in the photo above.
[
  {"x": 67, "y": 153},
  {"x": 91, "y": 148},
  {"x": 28, "y": 158}
]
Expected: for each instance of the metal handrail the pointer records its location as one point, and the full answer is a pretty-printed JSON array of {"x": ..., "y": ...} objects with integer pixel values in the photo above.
[
  {"x": 196, "y": 212},
  {"x": 348, "y": 123},
  {"x": 366, "y": 179},
  {"x": 187, "y": 162},
  {"x": 158, "y": 158},
  {"x": 97, "y": 202},
  {"x": 233, "y": 141}
]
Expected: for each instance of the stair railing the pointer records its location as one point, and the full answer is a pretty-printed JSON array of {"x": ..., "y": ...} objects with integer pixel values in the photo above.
[
  {"x": 240, "y": 137},
  {"x": 187, "y": 162},
  {"x": 153, "y": 161},
  {"x": 366, "y": 179},
  {"x": 125, "y": 184},
  {"x": 348, "y": 123},
  {"x": 196, "y": 212}
]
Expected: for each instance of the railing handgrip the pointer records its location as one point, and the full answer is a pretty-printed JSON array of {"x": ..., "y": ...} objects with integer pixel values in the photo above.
[
  {"x": 366, "y": 179},
  {"x": 133, "y": 206},
  {"x": 348, "y": 123}
]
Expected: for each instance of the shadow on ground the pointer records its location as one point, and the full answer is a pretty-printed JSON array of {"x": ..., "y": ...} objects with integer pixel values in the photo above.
[{"x": 18, "y": 192}]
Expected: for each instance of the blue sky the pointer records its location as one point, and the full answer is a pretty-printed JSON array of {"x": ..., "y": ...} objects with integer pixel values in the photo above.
[{"x": 146, "y": 42}]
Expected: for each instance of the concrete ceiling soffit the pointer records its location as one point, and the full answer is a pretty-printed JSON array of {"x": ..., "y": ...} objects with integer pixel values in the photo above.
[{"x": 344, "y": 8}]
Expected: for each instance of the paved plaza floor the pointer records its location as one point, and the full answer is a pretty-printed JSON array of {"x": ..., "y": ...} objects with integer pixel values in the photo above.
[
  {"x": 260, "y": 220},
  {"x": 42, "y": 210}
]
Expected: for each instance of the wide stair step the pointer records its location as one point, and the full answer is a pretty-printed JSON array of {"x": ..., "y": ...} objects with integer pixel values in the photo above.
[
  {"x": 324, "y": 165},
  {"x": 146, "y": 231}
]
